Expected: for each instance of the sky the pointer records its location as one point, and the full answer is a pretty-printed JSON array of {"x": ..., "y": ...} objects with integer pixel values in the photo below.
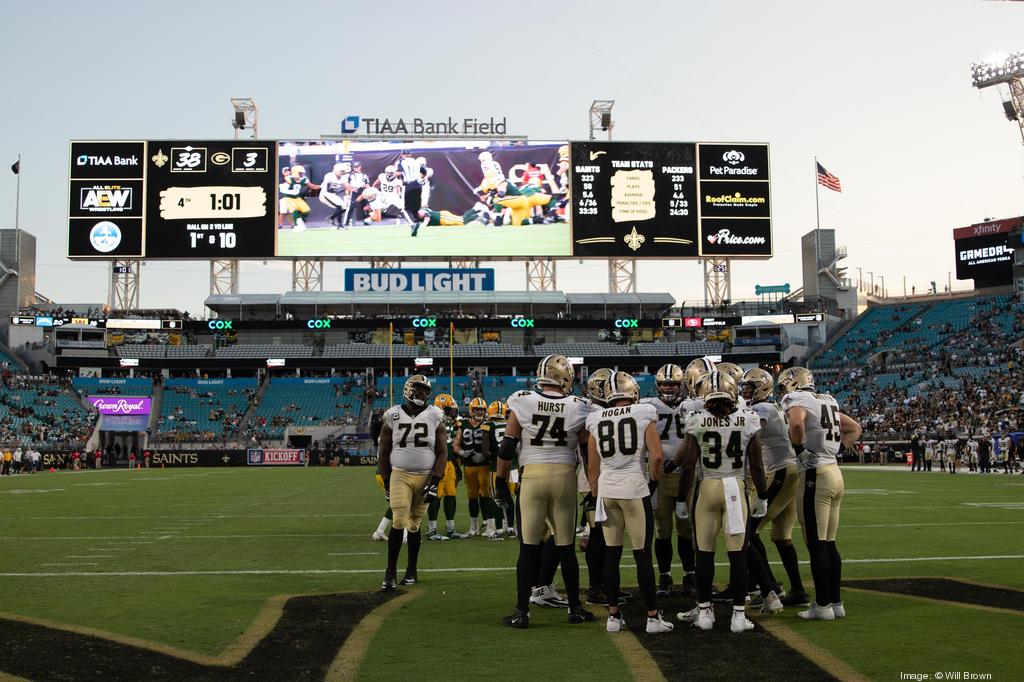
[{"x": 879, "y": 91}]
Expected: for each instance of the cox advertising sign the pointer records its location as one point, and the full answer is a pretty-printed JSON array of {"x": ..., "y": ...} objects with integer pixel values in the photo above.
[
  {"x": 120, "y": 405},
  {"x": 276, "y": 456}
]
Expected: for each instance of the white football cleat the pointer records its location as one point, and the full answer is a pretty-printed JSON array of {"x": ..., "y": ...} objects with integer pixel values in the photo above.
[
  {"x": 818, "y": 613},
  {"x": 472, "y": 532},
  {"x": 705, "y": 619},
  {"x": 838, "y": 610},
  {"x": 616, "y": 623},
  {"x": 740, "y": 623},
  {"x": 657, "y": 625},
  {"x": 379, "y": 536},
  {"x": 772, "y": 605},
  {"x": 548, "y": 596},
  {"x": 689, "y": 616}
]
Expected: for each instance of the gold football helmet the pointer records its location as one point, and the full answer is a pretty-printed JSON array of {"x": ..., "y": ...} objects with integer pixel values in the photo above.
[
  {"x": 478, "y": 408},
  {"x": 596, "y": 384},
  {"x": 621, "y": 386},
  {"x": 695, "y": 371},
  {"x": 669, "y": 380},
  {"x": 416, "y": 390},
  {"x": 448, "y": 406},
  {"x": 760, "y": 383},
  {"x": 795, "y": 379},
  {"x": 732, "y": 369},
  {"x": 557, "y": 371},
  {"x": 497, "y": 410},
  {"x": 719, "y": 386}
]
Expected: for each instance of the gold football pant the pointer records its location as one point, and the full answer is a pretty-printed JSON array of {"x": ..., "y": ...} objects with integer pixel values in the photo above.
[
  {"x": 447, "y": 486},
  {"x": 547, "y": 491},
  {"x": 665, "y": 515},
  {"x": 407, "y": 505},
  {"x": 478, "y": 481},
  {"x": 629, "y": 515},
  {"x": 709, "y": 516},
  {"x": 818, "y": 500},
  {"x": 782, "y": 488}
]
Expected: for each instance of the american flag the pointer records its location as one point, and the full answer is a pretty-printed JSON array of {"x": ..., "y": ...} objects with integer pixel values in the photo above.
[{"x": 826, "y": 179}]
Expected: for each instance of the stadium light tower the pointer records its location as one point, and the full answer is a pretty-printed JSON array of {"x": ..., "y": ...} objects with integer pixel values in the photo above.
[
  {"x": 621, "y": 271},
  {"x": 1007, "y": 71}
]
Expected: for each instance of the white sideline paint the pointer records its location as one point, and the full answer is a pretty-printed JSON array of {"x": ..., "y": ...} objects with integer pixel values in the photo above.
[{"x": 463, "y": 569}]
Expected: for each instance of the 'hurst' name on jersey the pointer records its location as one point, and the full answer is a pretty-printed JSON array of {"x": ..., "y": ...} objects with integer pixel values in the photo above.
[{"x": 551, "y": 426}]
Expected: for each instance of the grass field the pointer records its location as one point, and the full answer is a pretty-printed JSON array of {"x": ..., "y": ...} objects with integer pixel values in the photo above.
[
  {"x": 446, "y": 242},
  {"x": 188, "y": 559}
]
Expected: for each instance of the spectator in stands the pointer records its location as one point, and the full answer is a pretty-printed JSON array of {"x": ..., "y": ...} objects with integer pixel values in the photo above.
[{"x": 131, "y": 459}]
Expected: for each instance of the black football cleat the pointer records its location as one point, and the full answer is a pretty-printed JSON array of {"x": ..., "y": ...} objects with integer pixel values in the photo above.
[
  {"x": 518, "y": 619},
  {"x": 689, "y": 584},
  {"x": 665, "y": 585},
  {"x": 409, "y": 578},
  {"x": 722, "y": 595},
  {"x": 795, "y": 599},
  {"x": 389, "y": 584},
  {"x": 578, "y": 614}
]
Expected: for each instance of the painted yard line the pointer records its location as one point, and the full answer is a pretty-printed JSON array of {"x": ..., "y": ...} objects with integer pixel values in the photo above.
[
  {"x": 353, "y": 553},
  {"x": 111, "y": 549},
  {"x": 919, "y": 525},
  {"x": 463, "y": 569},
  {"x": 150, "y": 535},
  {"x": 88, "y": 556},
  {"x": 74, "y": 563}
]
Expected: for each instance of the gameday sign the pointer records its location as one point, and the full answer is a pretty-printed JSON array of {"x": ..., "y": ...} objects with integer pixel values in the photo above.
[
  {"x": 276, "y": 456},
  {"x": 670, "y": 200},
  {"x": 984, "y": 252}
]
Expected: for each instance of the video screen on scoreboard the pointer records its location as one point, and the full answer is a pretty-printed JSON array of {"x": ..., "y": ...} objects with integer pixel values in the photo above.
[{"x": 439, "y": 198}]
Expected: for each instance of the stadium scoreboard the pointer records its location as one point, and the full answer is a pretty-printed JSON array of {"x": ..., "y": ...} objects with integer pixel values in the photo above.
[
  {"x": 172, "y": 199},
  {"x": 671, "y": 200},
  {"x": 492, "y": 199}
]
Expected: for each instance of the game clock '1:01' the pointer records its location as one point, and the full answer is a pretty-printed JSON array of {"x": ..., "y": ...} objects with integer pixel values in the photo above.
[{"x": 210, "y": 199}]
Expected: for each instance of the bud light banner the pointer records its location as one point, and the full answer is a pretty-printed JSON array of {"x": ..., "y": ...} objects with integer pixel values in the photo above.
[
  {"x": 419, "y": 279},
  {"x": 120, "y": 405},
  {"x": 276, "y": 456}
]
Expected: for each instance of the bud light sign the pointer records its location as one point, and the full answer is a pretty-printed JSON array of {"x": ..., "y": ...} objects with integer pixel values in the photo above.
[{"x": 120, "y": 405}]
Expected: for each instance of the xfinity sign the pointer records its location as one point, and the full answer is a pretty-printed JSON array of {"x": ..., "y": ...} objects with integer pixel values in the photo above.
[{"x": 439, "y": 280}]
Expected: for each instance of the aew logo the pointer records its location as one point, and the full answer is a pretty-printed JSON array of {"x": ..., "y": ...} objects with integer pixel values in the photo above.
[{"x": 106, "y": 199}]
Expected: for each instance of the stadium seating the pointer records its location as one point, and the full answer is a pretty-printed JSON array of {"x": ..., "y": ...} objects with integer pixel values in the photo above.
[
  {"x": 203, "y": 409},
  {"x": 682, "y": 348},
  {"x": 41, "y": 410},
  {"x": 266, "y": 350},
  {"x": 304, "y": 402}
]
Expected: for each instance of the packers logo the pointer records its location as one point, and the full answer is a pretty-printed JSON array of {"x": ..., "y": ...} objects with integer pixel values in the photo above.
[{"x": 220, "y": 158}]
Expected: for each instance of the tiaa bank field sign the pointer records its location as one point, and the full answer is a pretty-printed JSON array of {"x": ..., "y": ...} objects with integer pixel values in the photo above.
[{"x": 441, "y": 280}]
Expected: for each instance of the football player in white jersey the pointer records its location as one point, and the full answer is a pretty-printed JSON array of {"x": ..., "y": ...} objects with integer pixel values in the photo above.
[
  {"x": 720, "y": 449},
  {"x": 695, "y": 372},
  {"x": 818, "y": 431},
  {"x": 550, "y": 423},
  {"x": 622, "y": 437},
  {"x": 412, "y": 454},
  {"x": 333, "y": 193},
  {"x": 782, "y": 480},
  {"x": 390, "y": 190},
  {"x": 593, "y": 540},
  {"x": 671, "y": 394}
]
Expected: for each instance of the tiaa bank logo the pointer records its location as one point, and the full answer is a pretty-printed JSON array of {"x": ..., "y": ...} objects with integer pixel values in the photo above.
[
  {"x": 105, "y": 236},
  {"x": 350, "y": 125}
]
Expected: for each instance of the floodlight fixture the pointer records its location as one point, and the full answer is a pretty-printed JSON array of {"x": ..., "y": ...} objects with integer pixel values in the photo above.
[{"x": 997, "y": 70}]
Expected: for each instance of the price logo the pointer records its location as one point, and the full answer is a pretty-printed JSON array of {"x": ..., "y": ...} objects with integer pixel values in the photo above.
[
  {"x": 249, "y": 160},
  {"x": 188, "y": 159}
]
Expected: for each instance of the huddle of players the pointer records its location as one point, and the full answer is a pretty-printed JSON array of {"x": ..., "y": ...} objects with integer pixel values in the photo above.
[{"x": 721, "y": 448}]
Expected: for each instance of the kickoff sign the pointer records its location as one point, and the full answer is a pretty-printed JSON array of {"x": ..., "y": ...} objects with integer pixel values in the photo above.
[{"x": 276, "y": 457}]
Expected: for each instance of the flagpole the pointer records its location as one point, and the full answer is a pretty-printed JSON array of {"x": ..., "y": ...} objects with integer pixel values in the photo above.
[
  {"x": 17, "y": 197},
  {"x": 817, "y": 230}
]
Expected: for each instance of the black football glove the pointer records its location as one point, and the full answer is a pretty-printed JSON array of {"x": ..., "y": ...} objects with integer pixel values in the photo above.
[
  {"x": 652, "y": 486},
  {"x": 670, "y": 466},
  {"x": 430, "y": 491},
  {"x": 589, "y": 503},
  {"x": 502, "y": 495},
  {"x": 387, "y": 494}
]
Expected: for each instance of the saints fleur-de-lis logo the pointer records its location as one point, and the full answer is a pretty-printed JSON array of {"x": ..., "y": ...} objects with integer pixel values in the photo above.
[
  {"x": 160, "y": 158},
  {"x": 634, "y": 239}
]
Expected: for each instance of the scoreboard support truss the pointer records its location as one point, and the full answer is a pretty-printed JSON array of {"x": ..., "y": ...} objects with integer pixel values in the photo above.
[
  {"x": 125, "y": 274},
  {"x": 307, "y": 275},
  {"x": 717, "y": 281},
  {"x": 622, "y": 276},
  {"x": 223, "y": 277}
]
